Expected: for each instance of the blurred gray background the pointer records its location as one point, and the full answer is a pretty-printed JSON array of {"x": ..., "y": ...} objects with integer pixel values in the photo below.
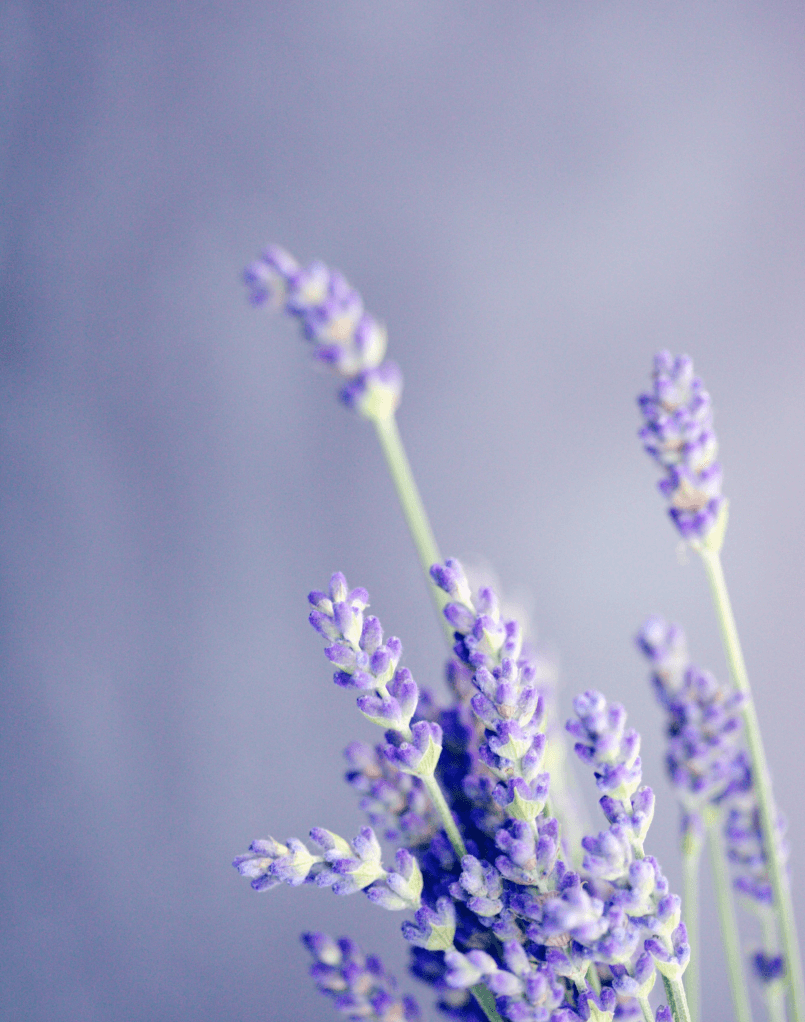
[{"x": 534, "y": 195}]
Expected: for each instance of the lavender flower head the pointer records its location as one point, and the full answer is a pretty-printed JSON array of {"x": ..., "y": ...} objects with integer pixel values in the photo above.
[
  {"x": 333, "y": 319},
  {"x": 704, "y": 758},
  {"x": 358, "y": 984},
  {"x": 678, "y": 434}
]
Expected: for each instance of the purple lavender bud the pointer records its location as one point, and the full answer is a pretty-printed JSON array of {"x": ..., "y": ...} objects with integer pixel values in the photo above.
[
  {"x": 664, "y": 1014},
  {"x": 465, "y": 971},
  {"x": 460, "y": 617},
  {"x": 297, "y": 867},
  {"x": 400, "y": 889},
  {"x": 421, "y": 754},
  {"x": 345, "y": 657},
  {"x": 404, "y": 689},
  {"x": 269, "y": 863},
  {"x": 451, "y": 578},
  {"x": 609, "y": 855},
  {"x": 596, "y": 1006},
  {"x": 387, "y": 713},
  {"x": 268, "y": 277},
  {"x": 480, "y": 887},
  {"x": 641, "y": 980},
  {"x": 324, "y": 624},
  {"x": 768, "y": 967},
  {"x": 575, "y": 913},
  {"x": 522, "y": 800},
  {"x": 672, "y": 956},
  {"x": 375, "y": 393},
  {"x": 372, "y": 635},
  {"x": 678, "y": 434},
  {"x": 607, "y": 745},
  {"x": 434, "y": 929}
]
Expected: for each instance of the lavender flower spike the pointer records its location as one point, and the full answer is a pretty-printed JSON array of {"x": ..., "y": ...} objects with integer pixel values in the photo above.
[
  {"x": 364, "y": 661},
  {"x": 678, "y": 434},
  {"x": 358, "y": 984},
  {"x": 331, "y": 313}
]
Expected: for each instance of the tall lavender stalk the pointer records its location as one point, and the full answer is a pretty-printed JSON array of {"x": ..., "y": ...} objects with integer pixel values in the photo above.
[
  {"x": 678, "y": 433},
  {"x": 351, "y": 342},
  {"x": 707, "y": 766}
]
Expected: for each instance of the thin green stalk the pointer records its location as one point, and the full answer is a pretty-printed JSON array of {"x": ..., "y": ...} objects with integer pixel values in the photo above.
[
  {"x": 677, "y": 1001},
  {"x": 645, "y": 1007},
  {"x": 761, "y": 780},
  {"x": 486, "y": 999},
  {"x": 729, "y": 922},
  {"x": 412, "y": 507},
  {"x": 442, "y": 808},
  {"x": 691, "y": 857},
  {"x": 774, "y": 993}
]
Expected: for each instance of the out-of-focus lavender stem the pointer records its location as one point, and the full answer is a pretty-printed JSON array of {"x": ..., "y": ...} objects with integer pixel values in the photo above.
[
  {"x": 729, "y": 922},
  {"x": 777, "y": 873},
  {"x": 691, "y": 857}
]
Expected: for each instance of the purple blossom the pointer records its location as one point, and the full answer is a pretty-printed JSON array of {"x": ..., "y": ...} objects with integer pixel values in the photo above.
[
  {"x": 358, "y": 984},
  {"x": 480, "y": 887},
  {"x": 508, "y": 701},
  {"x": 395, "y": 802},
  {"x": 678, "y": 434},
  {"x": 745, "y": 846},
  {"x": 269, "y": 863},
  {"x": 367, "y": 663},
  {"x": 341, "y": 333},
  {"x": 637, "y": 899},
  {"x": 607, "y": 745},
  {"x": 768, "y": 967},
  {"x": 705, "y": 759},
  {"x": 671, "y": 956},
  {"x": 350, "y": 867},
  {"x": 466, "y": 970},
  {"x": 703, "y": 725},
  {"x": 433, "y": 929},
  {"x": 419, "y": 755}
]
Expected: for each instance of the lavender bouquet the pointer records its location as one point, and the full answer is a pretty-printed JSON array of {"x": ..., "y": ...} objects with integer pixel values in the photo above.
[{"x": 472, "y": 829}]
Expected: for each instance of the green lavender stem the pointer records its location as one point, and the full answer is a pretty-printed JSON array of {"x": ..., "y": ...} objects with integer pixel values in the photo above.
[
  {"x": 645, "y": 1007},
  {"x": 440, "y": 803},
  {"x": 677, "y": 1001},
  {"x": 774, "y": 992},
  {"x": 691, "y": 857},
  {"x": 486, "y": 999},
  {"x": 412, "y": 507},
  {"x": 729, "y": 922},
  {"x": 762, "y": 783}
]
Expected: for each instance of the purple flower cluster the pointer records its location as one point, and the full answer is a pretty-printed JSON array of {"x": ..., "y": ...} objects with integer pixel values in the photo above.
[
  {"x": 708, "y": 765},
  {"x": 678, "y": 434},
  {"x": 333, "y": 319},
  {"x": 704, "y": 756},
  {"x": 367, "y": 663},
  {"x": 545, "y": 943},
  {"x": 507, "y": 702},
  {"x": 395, "y": 803},
  {"x": 637, "y": 904},
  {"x": 346, "y": 867},
  {"x": 358, "y": 984}
]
